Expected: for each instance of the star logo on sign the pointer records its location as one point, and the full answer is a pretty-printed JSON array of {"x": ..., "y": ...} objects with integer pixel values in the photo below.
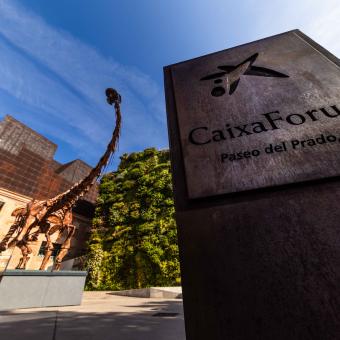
[{"x": 232, "y": 75}]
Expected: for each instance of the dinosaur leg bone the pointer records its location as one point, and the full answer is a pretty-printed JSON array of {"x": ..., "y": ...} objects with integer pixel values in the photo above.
[
  {"x": 65, "y": 247},
  {"x": 25, "y": 251},
  {"x": 49, "y": 245}
]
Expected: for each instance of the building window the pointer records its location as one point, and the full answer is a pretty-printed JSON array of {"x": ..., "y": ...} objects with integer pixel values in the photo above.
[{"x": 55, "y": 252}]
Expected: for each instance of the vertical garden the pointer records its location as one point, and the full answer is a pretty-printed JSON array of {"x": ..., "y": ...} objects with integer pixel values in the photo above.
[{"x": 134, "y": 241}]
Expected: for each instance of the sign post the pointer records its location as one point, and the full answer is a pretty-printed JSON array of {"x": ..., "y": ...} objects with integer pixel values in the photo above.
[{"x": 255, "y": 145}]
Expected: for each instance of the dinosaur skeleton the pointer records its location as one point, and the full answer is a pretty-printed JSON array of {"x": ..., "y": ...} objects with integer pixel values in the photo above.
[{"x": 55, "y": 215}]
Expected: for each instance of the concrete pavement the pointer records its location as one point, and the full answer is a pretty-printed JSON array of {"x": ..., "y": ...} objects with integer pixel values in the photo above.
[{"x": 102, "y": 316}]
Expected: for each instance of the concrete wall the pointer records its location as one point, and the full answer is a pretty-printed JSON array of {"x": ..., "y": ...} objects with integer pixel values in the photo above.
[
  {"x": 152, "y": 292},
  {"x": 26, "y": 289}
]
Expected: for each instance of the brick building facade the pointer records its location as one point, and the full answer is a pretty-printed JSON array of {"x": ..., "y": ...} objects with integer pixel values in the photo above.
[{"x": 28, "y": 171}]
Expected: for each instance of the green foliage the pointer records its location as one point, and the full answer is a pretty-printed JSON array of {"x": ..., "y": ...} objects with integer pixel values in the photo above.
[{"x": 134, "y": 241}]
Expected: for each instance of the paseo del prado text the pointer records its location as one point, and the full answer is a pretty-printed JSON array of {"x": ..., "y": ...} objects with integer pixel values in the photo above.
[{"x": 202, "y": 135}]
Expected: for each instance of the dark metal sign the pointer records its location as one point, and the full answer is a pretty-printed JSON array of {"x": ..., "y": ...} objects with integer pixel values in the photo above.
[{"x": 262, "y": 114}]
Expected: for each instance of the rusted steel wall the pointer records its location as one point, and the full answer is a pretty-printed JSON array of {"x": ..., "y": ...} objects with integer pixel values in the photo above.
[{"x": 27, "y": 166}]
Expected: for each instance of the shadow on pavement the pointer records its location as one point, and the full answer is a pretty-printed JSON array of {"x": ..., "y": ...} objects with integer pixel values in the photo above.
[{"x": 57, "y": 324}]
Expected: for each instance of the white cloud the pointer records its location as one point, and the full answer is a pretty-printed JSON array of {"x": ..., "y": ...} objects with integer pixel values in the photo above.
[
  {"x": 324, "y": 28},
  {"x": 319, "y": 19},
  {"x": 52, "y": 72}
]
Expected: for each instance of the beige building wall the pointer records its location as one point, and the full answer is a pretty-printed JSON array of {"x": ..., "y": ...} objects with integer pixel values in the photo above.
[
  {"x": 10, "y": 258},
  {"x": 9, "y": 201}
]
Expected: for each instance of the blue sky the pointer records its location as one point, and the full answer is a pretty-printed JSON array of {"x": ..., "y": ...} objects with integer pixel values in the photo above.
[{"x": 57, "y": 58}]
